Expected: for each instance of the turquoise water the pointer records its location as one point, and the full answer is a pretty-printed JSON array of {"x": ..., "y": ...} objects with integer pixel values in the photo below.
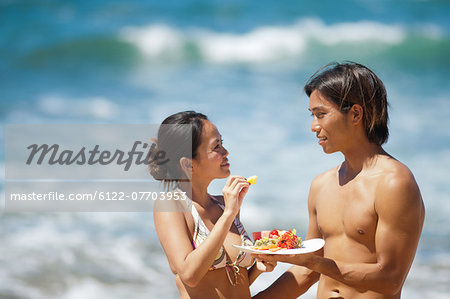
[{"x": 244, "y": 65}]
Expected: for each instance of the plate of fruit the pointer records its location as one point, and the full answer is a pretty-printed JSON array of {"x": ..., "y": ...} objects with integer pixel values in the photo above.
[{"x": 281, "y": 242}]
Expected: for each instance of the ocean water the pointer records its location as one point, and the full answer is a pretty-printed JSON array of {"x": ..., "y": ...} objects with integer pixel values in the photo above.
[{"x": 243, "y": 64}]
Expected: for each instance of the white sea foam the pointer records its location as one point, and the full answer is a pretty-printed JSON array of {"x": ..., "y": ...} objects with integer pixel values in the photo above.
[
  {"x": 154, "y": 40},
  {"x": 347, "y": 32},
  {"x": 74, "y": 265},
  {"x": 97, "y": 107},
  {"x": 261, "y": 44}
]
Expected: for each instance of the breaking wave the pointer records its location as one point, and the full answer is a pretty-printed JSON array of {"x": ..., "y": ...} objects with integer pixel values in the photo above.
[{"x": 268, "y": 43}]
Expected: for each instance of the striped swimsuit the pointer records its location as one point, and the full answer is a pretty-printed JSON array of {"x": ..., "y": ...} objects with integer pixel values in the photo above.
[{"x": 201, "y": 232}]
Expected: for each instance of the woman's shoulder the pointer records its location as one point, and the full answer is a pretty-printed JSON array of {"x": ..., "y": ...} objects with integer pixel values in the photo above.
[{"x": 172, "y": 201}]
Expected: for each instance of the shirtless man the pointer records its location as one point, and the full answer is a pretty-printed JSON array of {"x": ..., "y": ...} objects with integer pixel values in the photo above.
[{"x": 368, "y": 209}]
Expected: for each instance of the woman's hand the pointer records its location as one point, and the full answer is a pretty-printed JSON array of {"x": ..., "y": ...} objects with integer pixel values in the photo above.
[
  {"x": 265, "y": 266},
  {"x": 234, "y": 192}
]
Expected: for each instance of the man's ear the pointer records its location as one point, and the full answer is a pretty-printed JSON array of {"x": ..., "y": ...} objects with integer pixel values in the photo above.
[
  {"x": 186, "y": 166},
  {"x": 357, "y": 113}
]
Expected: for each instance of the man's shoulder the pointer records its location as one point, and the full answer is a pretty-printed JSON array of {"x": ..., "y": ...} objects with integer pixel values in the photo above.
[
  {"x": 397, "y": 181},
  {"x": 327, "y": 175},
  {"x": 325, "y": 178},
  {"x": 393, "y": 171}
]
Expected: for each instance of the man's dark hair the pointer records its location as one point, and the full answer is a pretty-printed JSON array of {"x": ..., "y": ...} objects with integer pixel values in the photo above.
[{"x": 351, "y": 83}]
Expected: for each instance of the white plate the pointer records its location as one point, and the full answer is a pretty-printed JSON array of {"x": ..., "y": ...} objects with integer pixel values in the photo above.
[{"x": 307, "y": 247}]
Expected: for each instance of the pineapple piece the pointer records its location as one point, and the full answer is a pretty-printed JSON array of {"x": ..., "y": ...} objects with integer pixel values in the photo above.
[{"x": 252, "y": 180}]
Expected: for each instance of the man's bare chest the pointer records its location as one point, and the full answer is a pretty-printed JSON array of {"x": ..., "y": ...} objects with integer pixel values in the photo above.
[{"x": 347, "y": 211}]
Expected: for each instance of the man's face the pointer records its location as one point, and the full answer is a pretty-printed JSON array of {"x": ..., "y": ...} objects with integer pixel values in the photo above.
[{"x": 332, "y": 127}]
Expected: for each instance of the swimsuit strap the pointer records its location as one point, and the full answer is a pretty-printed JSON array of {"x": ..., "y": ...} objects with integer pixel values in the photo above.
[
  {"x": 237, "y": 222},
  {"x": 201, "y": 232},
  {"x": 200, "y": 229}
]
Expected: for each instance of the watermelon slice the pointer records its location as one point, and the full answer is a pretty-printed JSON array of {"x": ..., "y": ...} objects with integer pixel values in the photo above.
[
  {"x": 256, "y": 236},
  {"x": 261, "y": 234}
]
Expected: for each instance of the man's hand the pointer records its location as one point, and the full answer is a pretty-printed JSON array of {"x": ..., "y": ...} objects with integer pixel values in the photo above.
[{"x": 296, "y": 259}]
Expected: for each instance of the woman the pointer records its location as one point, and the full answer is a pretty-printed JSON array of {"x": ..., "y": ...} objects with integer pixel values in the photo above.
[{"x": 198, "y": 234}]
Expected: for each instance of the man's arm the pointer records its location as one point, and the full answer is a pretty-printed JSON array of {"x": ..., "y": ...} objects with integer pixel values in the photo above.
[
  {"x": 293, "y": 283},
  {"x": 400, "y": 213},
  {"x": 297, "y": 280}
]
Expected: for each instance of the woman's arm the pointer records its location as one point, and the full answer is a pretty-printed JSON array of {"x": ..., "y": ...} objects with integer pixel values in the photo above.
[
  {"x": 173, "y": 232},
  {"x": 191, "y": 265}
]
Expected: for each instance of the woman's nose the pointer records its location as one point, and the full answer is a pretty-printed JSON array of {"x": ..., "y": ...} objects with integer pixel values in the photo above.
[{"x": 225, "y": 152}]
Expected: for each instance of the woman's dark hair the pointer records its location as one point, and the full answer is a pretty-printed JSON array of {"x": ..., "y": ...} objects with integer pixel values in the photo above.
[
  {"x": 351, "y": 83},
  {"x": 179, "y": 136}
]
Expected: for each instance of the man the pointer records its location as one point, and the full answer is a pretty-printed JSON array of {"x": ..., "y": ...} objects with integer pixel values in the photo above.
[{"x": 368, "y": 209}]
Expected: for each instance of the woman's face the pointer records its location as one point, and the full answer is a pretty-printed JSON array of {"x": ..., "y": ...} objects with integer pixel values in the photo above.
[{"x": 211, "y": 161}]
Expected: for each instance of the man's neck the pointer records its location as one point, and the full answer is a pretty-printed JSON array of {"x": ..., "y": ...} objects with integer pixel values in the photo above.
[{"x": 359, "y": 158}]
